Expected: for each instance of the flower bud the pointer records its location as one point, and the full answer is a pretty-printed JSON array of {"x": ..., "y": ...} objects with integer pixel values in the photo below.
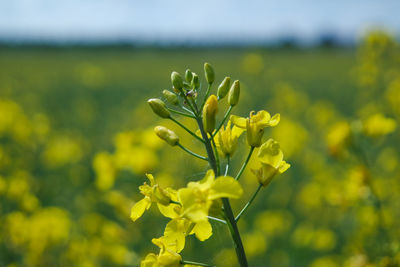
[
  {"x": 176, "y": 80},
  {"x": 171, "y": 97},
  {"x": 223, "y": 88},
  {"x": 188, "y": 75},
  {"x": 159, "y": 108},
  {"x": 209, "y": 113},
  {"x": 234, "y": 93},
  {"x": 195, "y": 81},
  {"x": 210, "y": 75},
  {"x": 167, "y": 135}
]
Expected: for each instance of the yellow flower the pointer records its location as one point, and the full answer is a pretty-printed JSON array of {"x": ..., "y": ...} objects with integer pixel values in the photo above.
[
  {"x": 255, "y": 125},
  {"x": 152, "y": 193},
  {"x": 271, "y": 157},
  {"x": 338, "y": 138},
  {"x": 168, "y": 256},
  {"x": 227, "y": 139},
  {"x": 197, "y": 198},
  {"x": 378, "y": 125},
  {"x": 180, "y": 227}
]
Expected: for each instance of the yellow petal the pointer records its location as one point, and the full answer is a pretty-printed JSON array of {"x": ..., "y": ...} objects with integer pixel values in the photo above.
[
  {"x": 275, "y": 120},
  {"x": 202, "y": 230},
  {"x": 176, "y": 230},
  {"x": 225, "y": 186},
  {"x": 270, "y": 153},
  {"x": 262, "y": 118},
  {"x": 192, "y": 209},
  {"x": 283, "y": 167},
  {"x": 171, "y": 211},
  {"x": 149, "y": 261},
  {"x": 151, "y": 178},
  {"x": 139, "y": 208},
  {"x": 204, "y": 183},
  {"x": 238, "y": 121},
  {"x": 236, "y": 132}
]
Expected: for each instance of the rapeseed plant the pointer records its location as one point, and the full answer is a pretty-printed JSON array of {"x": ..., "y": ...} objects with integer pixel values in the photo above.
[{"x": 192, "y": 207}]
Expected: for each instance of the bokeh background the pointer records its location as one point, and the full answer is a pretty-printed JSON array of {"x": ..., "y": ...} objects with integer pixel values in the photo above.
[{"x": 76, "y": 132}]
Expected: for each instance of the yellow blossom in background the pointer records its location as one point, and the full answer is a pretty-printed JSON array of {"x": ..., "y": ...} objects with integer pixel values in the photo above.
[
  {"x": 255, "y": 244},
  {"x": 338, "y": 137},
  {"x": 324, "y": 262},
  {"x": 103, "y": 165},
  {"x": 62, "y": 150},
  {"x": 66, "y": 190},
  {"x": 379, "y": 125},
  {"x": 289, "y": 142},
  {"x": 255, "y": 125},
  {"x": 252, "y": 63}
]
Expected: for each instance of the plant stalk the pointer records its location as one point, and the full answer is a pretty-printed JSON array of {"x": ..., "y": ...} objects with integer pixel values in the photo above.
[
  {"x": 245, "y": 163},
  {"x": 230, "y": 218}
]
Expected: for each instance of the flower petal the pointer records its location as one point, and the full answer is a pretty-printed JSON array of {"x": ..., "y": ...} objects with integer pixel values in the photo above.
[
  {"x": 283, "y": 167},
  {"x": 169, "y": 211},
  {"x": 238, "y": 121},
  {"x": 139, "y": 208},
  {"x": 261, "y": 119},
  {"x": 275, "y": 120},
  {"x": 202, "y": 230},
  {"x": 193, "y": 210},
  {"x": 236, "y": 132},
  {"x": 204, "y": 183},
  {"x": 176, "y": 230},
  {"x": 270, "y": 153},
  {"x": 151, "y": 179},
  {"x": 149, "y": 261},
  {"x": 225, "y": 186}
]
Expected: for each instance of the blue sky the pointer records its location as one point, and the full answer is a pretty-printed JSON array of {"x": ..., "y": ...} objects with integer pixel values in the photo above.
[{"x": 181, "y": 21}]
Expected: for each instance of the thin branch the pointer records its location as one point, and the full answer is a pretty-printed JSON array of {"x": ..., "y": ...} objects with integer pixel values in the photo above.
[
  {"x": 248, "y": 203},
  {"x": 191, "y": 152},
  {"x": 245, "y": 163},
  {"x": 186, "y": 129}
]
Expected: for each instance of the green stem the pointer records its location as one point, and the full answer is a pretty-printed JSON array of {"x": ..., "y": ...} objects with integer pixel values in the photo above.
[
  {"x": 248, "y": 203},
  {"x": 228, "y": 158},
  {"x": 216, "y": 155},
  {"x": 245, "y": 163},
  {"x": 230, "y": 219},
  {"x": 188, "y": 110},
  {"x": 189, "y": 103},
  {"x": 191, "y": 152},
  {"x": 223, "y": 120},
  {"x": 216, "y": 219},
  {"x": 196, "y": 263},
  {"x": 181, "y": 113},
  {"x": 186, "y": 129}
]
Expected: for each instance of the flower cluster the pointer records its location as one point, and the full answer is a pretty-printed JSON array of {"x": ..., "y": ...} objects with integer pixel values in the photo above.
[{"x": 191, "y": 208}]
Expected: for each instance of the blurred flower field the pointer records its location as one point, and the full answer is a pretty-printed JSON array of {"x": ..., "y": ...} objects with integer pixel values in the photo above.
[{"x": 76, "y": 139}]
